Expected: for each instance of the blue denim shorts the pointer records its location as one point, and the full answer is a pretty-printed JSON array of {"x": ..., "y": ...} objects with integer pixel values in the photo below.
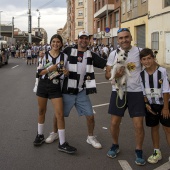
[{"x": 81, "y": 101}]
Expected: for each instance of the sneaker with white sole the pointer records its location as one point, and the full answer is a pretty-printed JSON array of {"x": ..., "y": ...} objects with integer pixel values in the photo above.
[
  {"x": 94, "y": 142},
  {"x": 52, "y": 137},
  {"x": 155, "y": 157},
  {"x": 114, "y": 150},
  {"x": 139, "y": 158},
  {"x": 65, "y": 147}
]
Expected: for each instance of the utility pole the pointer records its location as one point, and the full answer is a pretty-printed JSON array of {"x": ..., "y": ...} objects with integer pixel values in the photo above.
[
  {"x": 12, "y": 28},
  {"x": 0, "y": 24},
  {"x": 39, "y": 16},
  {"x": 29, "y": 22}
]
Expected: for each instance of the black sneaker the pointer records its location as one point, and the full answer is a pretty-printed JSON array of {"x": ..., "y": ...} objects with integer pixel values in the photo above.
[
  {"x": 39, "y": 140},
  {"x": 65, "y": 147}
]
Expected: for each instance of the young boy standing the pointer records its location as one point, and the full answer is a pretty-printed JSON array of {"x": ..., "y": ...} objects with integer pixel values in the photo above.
[{"x": 155, "y": 85}]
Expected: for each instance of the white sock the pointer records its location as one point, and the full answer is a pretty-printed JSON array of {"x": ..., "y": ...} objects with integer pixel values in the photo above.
[
  {"x": 40, "y": 129},
  {"x": 61, "y": 134}
]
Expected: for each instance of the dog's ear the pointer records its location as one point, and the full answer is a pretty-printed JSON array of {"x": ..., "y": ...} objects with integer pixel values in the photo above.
[{"x": 117, "y": 50}]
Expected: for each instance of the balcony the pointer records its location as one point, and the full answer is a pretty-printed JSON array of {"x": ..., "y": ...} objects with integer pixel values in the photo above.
[{"x": 102, "y": 12}]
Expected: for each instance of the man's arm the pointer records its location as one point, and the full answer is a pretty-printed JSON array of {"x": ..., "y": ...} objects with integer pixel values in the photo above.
[{"x": 98, "y": 61}]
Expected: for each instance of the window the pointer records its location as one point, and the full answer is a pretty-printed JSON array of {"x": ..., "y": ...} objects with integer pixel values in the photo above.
[
  {"x": 166, "y": 3},
  {"x": 135, "y": 3},
  {"x": 103, "y": 3},
  {"x": 111, "y": 22},
  {"x": 80, "y": 23},
  {"x": 80, "y": 2},
  {"x": 155, "y": 40},
  {"x": 117, "y": 19},
  {"x": 80, "y": 13},
  {"x": 123, "y": 7},
  {"x": 129, "y": 5},
  {"x": 143, "y": 1}
]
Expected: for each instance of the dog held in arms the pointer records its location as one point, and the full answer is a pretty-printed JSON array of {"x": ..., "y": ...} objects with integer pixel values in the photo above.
[{"x": 120, "y": 62}]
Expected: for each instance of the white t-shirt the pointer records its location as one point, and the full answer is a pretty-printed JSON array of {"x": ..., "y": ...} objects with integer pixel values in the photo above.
[{"x": 134, "y": 66}]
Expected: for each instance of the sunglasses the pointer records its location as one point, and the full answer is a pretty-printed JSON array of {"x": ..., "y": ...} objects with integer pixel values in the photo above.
[{"x": 123, "y": 29}]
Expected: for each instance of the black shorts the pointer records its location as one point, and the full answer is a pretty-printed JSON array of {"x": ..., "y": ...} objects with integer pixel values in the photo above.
[
  {"x": 49, "y": 89},
  {"x": 153, "y": 120},
  {"x": 133, "y": 101}
]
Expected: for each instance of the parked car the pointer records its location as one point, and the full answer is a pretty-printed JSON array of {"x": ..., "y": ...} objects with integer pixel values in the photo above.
[{"x": 4, "y": 53}]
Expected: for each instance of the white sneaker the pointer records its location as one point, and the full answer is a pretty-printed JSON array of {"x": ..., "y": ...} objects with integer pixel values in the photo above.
[
  {"x": 93, "y": 141},
  {"x": 52, "y": 137},
  {"x": 155, "y": 157}
]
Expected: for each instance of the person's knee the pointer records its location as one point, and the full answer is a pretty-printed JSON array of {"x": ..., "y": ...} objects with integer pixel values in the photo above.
[{"x": 42, "y": 111}]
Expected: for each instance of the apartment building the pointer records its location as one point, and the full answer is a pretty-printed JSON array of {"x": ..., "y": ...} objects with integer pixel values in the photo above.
[
  {"x": 159, "y": 29},
  {"x": 107, "y": 17},
  {"x": 134, "y": 15},
  {"x": 79, "y": 17}
]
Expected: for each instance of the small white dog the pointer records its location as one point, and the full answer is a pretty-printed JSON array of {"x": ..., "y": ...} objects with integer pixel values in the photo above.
[{"x": 120, "y": 82}]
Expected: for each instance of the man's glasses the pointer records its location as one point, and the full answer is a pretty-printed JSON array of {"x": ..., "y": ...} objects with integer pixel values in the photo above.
[{"x": 123, "y": 29}]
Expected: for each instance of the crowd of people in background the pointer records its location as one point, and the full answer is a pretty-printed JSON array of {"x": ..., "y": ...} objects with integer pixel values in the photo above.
[{"x": 31, "y": 51}]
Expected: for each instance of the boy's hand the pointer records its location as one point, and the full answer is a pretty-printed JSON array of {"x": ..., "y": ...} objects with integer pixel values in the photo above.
[
  {"x": 165, "y": 113},
  {"x": 149, "y": 109}
]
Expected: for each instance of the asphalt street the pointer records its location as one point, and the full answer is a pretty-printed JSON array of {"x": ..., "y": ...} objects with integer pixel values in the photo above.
[{"x": 18, "y": 128}]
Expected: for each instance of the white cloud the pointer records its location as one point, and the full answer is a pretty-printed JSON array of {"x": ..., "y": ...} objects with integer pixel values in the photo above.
[{"x": 51, "y": 18}]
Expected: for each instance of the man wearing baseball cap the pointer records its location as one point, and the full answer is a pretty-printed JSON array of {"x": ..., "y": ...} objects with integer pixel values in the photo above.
[{"x": 81, "y": 82}]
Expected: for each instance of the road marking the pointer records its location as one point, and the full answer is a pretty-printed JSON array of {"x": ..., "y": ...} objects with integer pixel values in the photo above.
[
  {"x": 104, "y": 127},
  {"x": 101, "y": 105},
  {"x": 125, "y": 165},
  {"x": 165, "y": 166},
  {"x": 15, "y": 66},
  {"x": 103, "y": 82},
  {"x": 100, "y": 73}
]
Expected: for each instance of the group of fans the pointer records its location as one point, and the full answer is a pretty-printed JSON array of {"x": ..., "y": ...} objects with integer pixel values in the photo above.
[{"x": 31, "y": 51}]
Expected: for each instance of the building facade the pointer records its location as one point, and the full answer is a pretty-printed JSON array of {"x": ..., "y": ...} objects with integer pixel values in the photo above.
[
  {"x": 159, "y": 29},
  {"x": 107, "y": 21}
]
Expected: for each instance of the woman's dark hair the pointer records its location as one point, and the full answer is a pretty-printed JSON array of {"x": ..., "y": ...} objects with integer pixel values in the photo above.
[
  {"x": 57, "y": 36},
  {"x": 145, "y": 52}
]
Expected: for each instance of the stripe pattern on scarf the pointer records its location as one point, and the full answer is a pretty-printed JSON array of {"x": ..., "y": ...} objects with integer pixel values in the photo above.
[{"x": 89, "y": 78}]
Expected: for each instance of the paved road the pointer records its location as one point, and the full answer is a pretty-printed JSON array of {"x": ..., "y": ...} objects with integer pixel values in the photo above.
[{"x": 18, "y": 127}]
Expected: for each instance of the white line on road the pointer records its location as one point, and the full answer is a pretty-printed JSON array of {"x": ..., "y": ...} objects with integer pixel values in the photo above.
[
  {"x": 103, "y": 82},
  {"x": 125, "y": 165},
  {"x": 165, "y": 166},
  {"x": 100, "y": 73},
  {"x": 101, "y": 105},
  {"x": 15, "y": 66}
]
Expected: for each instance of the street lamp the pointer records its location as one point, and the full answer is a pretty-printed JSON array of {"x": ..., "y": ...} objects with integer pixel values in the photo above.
[{"x": 0, "y": 24}]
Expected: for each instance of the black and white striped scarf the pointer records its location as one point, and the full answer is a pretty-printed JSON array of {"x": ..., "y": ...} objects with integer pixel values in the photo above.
[{"x": 89, "y": 78}]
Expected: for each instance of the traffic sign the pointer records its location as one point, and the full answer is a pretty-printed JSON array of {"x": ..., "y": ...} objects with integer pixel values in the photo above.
[{"x": 107, "y": 29}]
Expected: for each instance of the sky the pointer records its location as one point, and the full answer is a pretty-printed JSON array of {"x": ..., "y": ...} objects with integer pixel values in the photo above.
[{"x": 53, "y": 14}]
